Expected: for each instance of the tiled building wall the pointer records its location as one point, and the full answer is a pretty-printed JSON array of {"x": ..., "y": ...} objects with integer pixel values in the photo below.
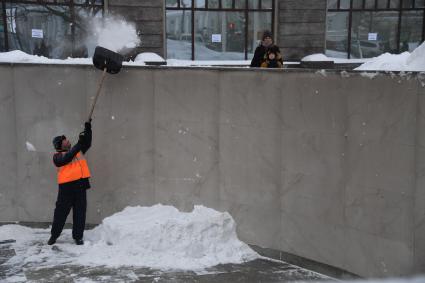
[
  {"x": 301, "y": 27},
  {"x": 149, "y": 18}
]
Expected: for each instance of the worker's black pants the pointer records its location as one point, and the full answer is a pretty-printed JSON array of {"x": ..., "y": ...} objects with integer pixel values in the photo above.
[{"x": 74, "y": 198}]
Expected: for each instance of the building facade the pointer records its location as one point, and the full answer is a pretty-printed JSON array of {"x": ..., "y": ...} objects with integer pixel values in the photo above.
[{"x": 218, "y": 29}]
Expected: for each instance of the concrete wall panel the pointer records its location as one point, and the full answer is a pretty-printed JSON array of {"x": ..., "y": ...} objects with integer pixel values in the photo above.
[
  {"x": 186, "y": 135},
  {"x": 8, "y": 160},
  {"x": 419, "y": 197},
  {"x": 313, "y": 146},
  {"x": 122, "y": 138},
  {"x": 320, "y": 165},
  {"x": 250, "y": 153},
  {"x": 44, "y": 108}
]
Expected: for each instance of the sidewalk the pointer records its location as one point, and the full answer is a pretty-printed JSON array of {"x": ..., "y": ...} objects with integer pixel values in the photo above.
[{"x": 259, "y": 270}]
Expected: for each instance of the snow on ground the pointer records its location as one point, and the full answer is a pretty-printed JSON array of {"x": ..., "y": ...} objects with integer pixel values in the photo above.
[
  {"x": 159, "y": 237},
  {"x": 409, "y": 62},
  {"x": 416, "y": 279}
]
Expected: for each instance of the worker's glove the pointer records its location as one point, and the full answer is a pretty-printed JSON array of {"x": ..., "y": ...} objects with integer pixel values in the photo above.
[
  {"x": 82, "y": 138},
  {"x": 87, "y": 125}
]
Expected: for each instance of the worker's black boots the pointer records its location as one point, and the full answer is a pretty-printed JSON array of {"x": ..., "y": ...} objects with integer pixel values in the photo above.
[{"x": 51, "y": 241}]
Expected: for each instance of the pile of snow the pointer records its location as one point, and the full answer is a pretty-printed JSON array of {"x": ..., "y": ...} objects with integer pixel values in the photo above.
[
  {"x": 316, "y": 58},
  {"x": 414, "y": 62},
  {"x": 159, "y": 237},
  {"x": 148, "y": 57}
]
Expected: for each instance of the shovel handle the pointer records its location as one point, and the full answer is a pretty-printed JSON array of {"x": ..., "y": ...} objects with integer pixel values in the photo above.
[{"x": 99, "y": 88}]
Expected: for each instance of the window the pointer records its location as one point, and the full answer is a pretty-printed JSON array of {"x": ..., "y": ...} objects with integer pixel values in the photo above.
[
  {"x": 49, "y": 28},
  {"x": 371, "y": 27},
  {"x": 216, "y": 29},
  {"x": 219, "y": 36},
  {"x": 381, "y": 24},
  {"x": 411, "y": 31},
  {"x": 2, "y": 33},
  {"x": 179, "y": 34},
  {"x": 337, "y": 36}
]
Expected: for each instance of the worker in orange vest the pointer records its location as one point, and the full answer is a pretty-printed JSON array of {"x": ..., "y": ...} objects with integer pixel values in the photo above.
[{"x": 73, "y": 179}]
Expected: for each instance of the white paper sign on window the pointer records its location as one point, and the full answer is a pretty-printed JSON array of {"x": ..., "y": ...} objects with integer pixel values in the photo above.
[
  {"x": 216, "y": 37},
  {"x": 37, "y": 33},
  {"x": 372, "y": 36}
]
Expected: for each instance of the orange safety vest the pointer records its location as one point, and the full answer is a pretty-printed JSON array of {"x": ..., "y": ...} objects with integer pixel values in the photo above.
[{"x": 74, "y": 170}]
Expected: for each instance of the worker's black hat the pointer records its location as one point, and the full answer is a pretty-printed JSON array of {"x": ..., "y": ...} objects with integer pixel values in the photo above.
[{"x": 57, "y": 142}]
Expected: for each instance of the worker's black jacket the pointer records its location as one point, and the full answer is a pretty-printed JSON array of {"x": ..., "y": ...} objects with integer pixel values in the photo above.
[{"x": 82, "y": 145}]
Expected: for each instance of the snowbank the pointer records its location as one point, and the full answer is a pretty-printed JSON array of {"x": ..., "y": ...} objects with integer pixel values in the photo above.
[
  {"x": 414, "y": 62},
  {"x": 316, "y": 58},
  {"x": 159, "y": 237},
  {"x": 17, "y": 56},
  {"x": 162, "y": 237},
  {"x": 148, "y": 57}
]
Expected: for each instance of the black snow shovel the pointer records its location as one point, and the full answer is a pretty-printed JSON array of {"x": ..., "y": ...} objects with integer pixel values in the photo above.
[{"x": 107, "y": 61}]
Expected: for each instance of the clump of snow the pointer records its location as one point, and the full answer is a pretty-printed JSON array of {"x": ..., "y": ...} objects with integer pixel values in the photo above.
[
  {"x": 114, "y": 33},
  {"x": 369, "y": 75},
  {"x": 322, "y": 72},
  {"x": 345, "y": 74},
  {"x": 30, "y": 146},
  {"x": 413, "y": 62},
  {"x": 319, "y": 57},
  {"x": 159, "y": 237},
  {"x": 148, "y": 57}
]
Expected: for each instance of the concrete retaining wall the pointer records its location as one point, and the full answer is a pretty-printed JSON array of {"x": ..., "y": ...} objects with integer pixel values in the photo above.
[{"x": 326, "y": 166}]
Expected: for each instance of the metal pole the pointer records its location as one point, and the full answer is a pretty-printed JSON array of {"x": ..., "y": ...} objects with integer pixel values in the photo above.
[
  {"x": 72, "y": 12},
  {"x": 192, "y": 11},
  {"x": 106, "y": 6},
  {"x": 399, "y": 28},
  {"x": 423, "y": 25},
  {"x": 246, "y": 30},
  {"x": 350, "y": 19},
  {"x": 6, "y": 36}
]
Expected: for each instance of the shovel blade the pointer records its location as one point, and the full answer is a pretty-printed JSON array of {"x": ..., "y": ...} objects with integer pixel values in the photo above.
[{"x": 106, "y": 59}]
